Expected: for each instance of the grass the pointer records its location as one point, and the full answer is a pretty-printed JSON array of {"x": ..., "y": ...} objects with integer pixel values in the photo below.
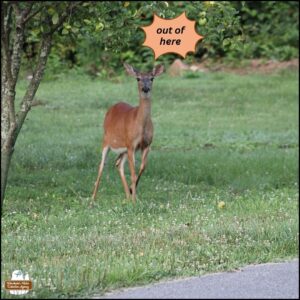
[{"x": 218, "y": 137}]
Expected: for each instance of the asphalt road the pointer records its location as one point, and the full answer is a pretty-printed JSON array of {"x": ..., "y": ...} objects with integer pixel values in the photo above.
[{"x": 272, "y": 280}]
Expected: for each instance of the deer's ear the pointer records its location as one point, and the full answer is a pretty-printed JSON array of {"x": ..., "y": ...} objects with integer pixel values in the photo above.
[
  {"x": 130, "y": 70},
  {"x": 157, "y": 70}
]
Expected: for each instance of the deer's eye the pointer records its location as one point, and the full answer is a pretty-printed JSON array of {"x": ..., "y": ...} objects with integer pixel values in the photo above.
[{"x": 138, "y": 79}]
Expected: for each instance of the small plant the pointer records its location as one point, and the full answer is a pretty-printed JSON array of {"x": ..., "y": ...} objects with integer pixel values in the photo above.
[{"x": 192, "y": 74}]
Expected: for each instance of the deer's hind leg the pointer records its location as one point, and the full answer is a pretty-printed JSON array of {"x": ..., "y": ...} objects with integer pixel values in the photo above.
[
  {"x": 120, "y": 165},
  {"x": 105, "y": 151}
]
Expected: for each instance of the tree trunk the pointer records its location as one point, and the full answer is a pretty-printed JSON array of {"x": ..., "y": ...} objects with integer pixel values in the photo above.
[
  {"x": 5, "y": 163},
  {"x": 10, "y": 134},
  {"x": 11, "y": 54}
]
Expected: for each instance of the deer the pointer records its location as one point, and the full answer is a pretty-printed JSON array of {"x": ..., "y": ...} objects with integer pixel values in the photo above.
[{"x": 128, "y": 129}]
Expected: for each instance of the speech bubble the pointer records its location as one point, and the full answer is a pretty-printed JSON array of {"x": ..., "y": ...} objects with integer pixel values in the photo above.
[{"x": 176, "y": 35}]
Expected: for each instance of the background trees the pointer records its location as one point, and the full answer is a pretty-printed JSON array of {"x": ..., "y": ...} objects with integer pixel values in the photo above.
[{"x": 233, "y": 31}]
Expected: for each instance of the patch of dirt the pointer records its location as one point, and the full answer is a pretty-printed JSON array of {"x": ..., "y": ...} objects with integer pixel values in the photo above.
[{"x": 252, "y": 66}]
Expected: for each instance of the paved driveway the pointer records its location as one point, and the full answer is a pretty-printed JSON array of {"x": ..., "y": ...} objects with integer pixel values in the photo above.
[{"x": 272, "y": 280}]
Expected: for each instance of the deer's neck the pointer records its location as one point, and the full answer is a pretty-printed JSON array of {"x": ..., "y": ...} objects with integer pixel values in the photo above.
[{"x": 144, "y": 110}]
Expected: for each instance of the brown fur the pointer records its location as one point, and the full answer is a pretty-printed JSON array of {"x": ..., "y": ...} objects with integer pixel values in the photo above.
[{"x": 124, "y": 124}]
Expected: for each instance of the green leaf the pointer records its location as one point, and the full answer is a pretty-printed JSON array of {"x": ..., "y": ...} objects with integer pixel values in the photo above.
[
  {"x": 226, "y": 42},
  {"x": 202, "y": 21},
  {"x": 134, "y": 13},
  {"x": 86, "y": 21},
  {"x": 75, "y": 30},
  {"x": 99, "y": 26},
  {"x": 51, "y": 11},
  {"x": 55, "y": 18},
  {"x": 65, "y": 31}
]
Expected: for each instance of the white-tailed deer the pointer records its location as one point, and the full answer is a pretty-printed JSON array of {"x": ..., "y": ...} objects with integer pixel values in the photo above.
[{"x": 128, "y": 129}]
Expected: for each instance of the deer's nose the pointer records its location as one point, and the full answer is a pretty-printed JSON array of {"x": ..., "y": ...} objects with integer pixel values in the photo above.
[{"x": 145, "y": 89}]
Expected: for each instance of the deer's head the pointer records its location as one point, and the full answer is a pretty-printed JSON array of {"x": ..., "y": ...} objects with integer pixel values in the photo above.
[{"x": 145, "y": 80}]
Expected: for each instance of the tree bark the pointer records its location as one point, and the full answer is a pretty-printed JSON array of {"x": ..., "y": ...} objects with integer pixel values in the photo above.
[
  {"x": 6, "y": 156},
  {"x": 10, "y": 132}
]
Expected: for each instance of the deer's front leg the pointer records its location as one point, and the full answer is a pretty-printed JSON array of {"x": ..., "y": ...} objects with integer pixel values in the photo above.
[
  {"x": 131, "y": 161},
  {"x": 143, "y": 164}
]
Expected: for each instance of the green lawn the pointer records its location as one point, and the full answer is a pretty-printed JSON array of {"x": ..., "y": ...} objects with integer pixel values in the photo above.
[{"x": 217, "y": 137}]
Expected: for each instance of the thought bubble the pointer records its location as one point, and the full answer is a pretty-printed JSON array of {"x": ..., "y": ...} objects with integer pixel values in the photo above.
[{"x": 176, "y": 35}]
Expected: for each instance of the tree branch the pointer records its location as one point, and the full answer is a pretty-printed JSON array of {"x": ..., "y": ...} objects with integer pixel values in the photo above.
[
  {"x": 8, "y": 88},
  {"x": 26, "y": 11},
  {"x": 63, "y": 17},
  {"x": 18, "y": 43},
  {"x": 5, "y": 31},
  {"x": 28, "y": 17},
  {"x": 4, "y": 40},
  {"x": 16, "y": 7},
  {"x": 35, "y": 81}
]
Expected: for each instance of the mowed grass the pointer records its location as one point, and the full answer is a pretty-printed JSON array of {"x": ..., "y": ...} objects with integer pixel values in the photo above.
[{"x": 218, "y": 137}]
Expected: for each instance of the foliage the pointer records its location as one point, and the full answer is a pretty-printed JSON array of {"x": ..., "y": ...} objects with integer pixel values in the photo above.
[
  {"x": 270, "y": 28},
  {"x": 234, "y": 30},
  {"x": 93, "y": 30},
  {"x": 219, "y": 137},
  {"x": 216, "y": 21}
]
